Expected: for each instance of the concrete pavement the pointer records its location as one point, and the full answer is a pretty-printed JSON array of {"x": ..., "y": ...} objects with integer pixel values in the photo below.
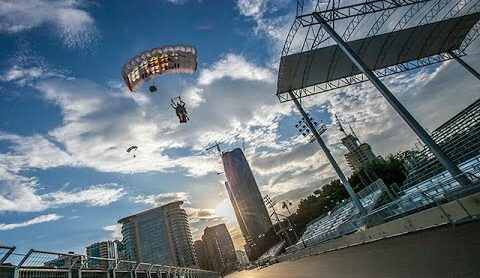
[{"x": 452, "y": 251}]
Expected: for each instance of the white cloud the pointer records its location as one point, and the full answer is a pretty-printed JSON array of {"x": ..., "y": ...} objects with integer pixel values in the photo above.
[
  {"x": 161, "y": 199},
  {"x": 20, "y": 194},
  {"x": 268, "y": 20},
  {"x": 37, "y": 220},
  {"x": 69, "y": 19},
  {"x": 33, "y": 151},
  {"x": 196, "y": 215},
  {"x": 23, "y": 75},
  {"x": 96, "y": 196},
  {"x": 235, "y": 67},
  {"x": 177, "y": 2},
  {"x": 252, "y": 7},
  {"x": 26, "y": 75},
  {"x": 115, "y": 231}
]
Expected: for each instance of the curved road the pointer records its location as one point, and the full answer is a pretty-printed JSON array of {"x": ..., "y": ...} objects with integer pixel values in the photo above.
[{"x": 444, "y": 252}]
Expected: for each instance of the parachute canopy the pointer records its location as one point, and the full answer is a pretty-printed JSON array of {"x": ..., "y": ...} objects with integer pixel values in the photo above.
[
  {"x": 149, "y": 64},
  {"x": 132, "y": 148}
]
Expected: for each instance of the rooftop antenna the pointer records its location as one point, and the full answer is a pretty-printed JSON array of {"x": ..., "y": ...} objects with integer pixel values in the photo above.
[
  {"x": 353, "y": 132},
  {"x": 216, "y": 145},
  {"x": 340, "y": 125},
  {"x": 243, "y": 144}
]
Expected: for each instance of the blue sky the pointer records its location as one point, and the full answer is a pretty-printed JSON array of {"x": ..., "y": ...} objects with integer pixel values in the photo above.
[{"x": 66, "y": 117}]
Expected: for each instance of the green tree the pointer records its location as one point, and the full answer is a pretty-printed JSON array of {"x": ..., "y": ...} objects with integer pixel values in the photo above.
[{"x": 390, "y": 170}]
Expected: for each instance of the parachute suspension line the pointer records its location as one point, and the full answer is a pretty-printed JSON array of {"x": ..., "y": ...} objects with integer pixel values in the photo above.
[
  {"x": 179, "y": 85},
  {"x": 177, "y": 103}
]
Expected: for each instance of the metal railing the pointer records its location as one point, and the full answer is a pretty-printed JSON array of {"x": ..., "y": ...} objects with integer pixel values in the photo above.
[
  {"x": 5, "y": 252},
  {"x": 442, "y": 191},
  {"x": 432, "y": 193},
  {"x": 334, "y": 224},
  {"x": 44, "y": 264}
]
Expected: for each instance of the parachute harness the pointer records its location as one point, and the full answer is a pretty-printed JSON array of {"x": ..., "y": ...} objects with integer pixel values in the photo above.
[{"x": 179, "y": 106}]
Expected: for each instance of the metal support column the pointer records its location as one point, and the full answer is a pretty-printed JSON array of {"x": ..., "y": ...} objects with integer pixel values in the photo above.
[
  {"x": 465, "y": 65},
  {"x": 325, "y": 149},
  {"x": 407, "y": 117},
  {"x": 149, "y": 274},
  {"x": 69, "y": 275}
]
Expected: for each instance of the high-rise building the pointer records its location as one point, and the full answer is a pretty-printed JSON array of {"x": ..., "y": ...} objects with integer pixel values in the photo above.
[
  {"x": 201, "y": 254},
  {"x": 459, "y": 139},
  {"x": 358, "y": 154},
  {"x": 219, "y": 249},
  {"x": 247, "y": 202},
  {"x": 160, "y": 235},
  {"x": 104, "y": 249},
  {"x": 241, "y": 258}
]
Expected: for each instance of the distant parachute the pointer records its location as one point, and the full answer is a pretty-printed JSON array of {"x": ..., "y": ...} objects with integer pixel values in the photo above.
[
  {"x": 151, "y": 63},
  {"x": 132, "y": 148}
]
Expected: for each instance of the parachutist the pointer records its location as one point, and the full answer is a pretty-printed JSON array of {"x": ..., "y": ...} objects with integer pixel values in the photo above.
[
  {"x": 180, "y": 110},
  {"x": 132, "y": 148}
]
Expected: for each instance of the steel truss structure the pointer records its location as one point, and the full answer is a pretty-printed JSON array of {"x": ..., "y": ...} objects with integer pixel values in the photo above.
[
  {"x": 44, "y": 264},
  {"x": 330, "y": 59},
  {"x": 399, "y": 14}
]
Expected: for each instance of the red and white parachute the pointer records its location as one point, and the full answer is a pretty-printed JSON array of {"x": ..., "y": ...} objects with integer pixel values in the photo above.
[{"x": 150, "y": 64}]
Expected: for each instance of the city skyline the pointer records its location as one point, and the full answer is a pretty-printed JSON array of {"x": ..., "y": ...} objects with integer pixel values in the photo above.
[{"x": 67, "y": 119}]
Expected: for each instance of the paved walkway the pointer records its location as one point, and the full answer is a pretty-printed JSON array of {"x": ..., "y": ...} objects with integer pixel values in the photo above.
[{"x": 445, "y": 252}]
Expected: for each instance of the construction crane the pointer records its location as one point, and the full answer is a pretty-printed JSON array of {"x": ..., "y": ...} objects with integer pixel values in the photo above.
[
  {"x": 340, "y": 125},
  {"x": 216, "y": 145}
]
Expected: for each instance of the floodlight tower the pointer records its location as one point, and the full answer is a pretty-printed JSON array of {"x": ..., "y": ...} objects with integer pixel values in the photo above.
[
  {"x": 329, "y": 155},
  {"x": 301, "y": 126},
  {"x": 283, "y": 230},
  {"x": 321, "y": 66}
]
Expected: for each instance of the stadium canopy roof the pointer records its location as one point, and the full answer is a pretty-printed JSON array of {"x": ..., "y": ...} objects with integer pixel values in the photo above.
[{"x": 329, "y": 63}]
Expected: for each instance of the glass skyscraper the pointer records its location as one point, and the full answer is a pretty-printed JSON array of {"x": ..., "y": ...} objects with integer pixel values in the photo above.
[
  {"x": 247, "y": 202},
  {"x": 160, "y": 235},
  {"x": 219, "y": 249}
]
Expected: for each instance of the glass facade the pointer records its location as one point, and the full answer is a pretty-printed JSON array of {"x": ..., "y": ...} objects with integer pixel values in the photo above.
[
  {"x": 153, "y": 237},
  {"x": 247, "y": 201},
  {"x": 219, "y": 249},
  {"x": 160, "y": 236},
  {"x": 130, "y": 238},
  {"x": 181, "y": 235}
]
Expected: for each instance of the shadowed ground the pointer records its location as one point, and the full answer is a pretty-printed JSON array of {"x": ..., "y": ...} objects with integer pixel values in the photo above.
[{"x": 445, "y": 252}]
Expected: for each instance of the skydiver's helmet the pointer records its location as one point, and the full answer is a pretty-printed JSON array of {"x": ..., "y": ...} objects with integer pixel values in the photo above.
[{"x": 152, "y": 89}]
